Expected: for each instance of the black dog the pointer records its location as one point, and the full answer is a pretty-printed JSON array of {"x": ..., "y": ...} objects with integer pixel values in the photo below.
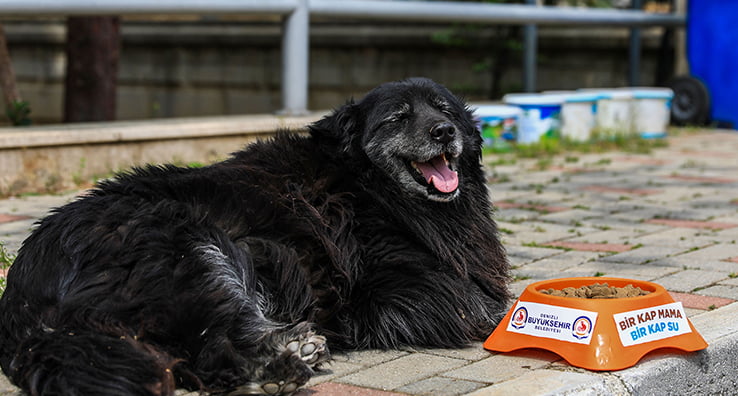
[{"x": 374, "y": 232}]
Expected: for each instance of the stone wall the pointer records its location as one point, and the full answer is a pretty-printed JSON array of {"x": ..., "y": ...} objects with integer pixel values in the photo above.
[
  {"x": 55, "y": 158},
  {"x": 202, "y": 67}
]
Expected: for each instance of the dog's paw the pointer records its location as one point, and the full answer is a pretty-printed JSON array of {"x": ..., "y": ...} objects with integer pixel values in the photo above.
[
  {"x": 310, "y": 348},
  {"x": 290, "y": 355},
  {"x": 267, "y": 388}
]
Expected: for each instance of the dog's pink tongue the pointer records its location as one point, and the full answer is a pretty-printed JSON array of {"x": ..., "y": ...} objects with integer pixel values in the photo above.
[{"x": 437, "y": 173}]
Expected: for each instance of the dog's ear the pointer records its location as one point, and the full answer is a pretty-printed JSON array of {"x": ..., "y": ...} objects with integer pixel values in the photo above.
[{"x": 340, "y": 128}]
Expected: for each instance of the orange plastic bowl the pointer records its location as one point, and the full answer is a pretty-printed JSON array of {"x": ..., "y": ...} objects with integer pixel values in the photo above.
[{"x": 596, "y": 334}]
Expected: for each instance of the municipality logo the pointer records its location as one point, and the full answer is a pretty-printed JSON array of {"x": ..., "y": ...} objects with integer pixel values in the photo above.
[
  {"x": 519, "y": 317},
  {"x": 581, "y": 328}
]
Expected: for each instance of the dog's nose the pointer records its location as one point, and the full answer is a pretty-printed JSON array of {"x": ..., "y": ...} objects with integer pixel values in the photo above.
[{"x": 443, "y": 132}]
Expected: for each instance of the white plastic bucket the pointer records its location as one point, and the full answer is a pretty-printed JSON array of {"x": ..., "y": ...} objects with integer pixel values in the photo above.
[
  {"x": 614, "y": 111},
  {"x": 578, "y": 114},
  {"x": 540, "y": 116},
  {"x": 651, "y": 111},
  {"x": 498, "y": 124}
]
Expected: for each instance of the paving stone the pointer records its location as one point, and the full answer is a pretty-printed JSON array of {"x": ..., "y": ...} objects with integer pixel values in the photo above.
[
  {"x": 472, "y": 353},
  {"x": 14, "y": 233},
  {"x": 516, "y": 215},
  {"x": 605, "y": 237},
  {"x": 621, "y": 190},
  {"x": 332, "y": 370},
  {"x": 501, "y": 192},
  {"x": 548, "y": 268},
  {"x": 516, "y": 261},
  {"x": 727, "y": 236},
  {"x": 643, "y": 214},
  {"x": 689, "y": 280},
  {"x": 7, "y": 218},
  {"x": 732, "y": 280},
  {"x": 441, "y": 386},
  {"x": 684, "y": 238},
  {"x": 336, "y": 389},
  {"x": 712, "y": 257},
  {"x": 709, "y": 225},
  {"x": 502, "y": 367},
  {"x": 550, "y": 382},
  {"x": 591, "y": 247},
  {"x": 565, "y": 260},
  {"x": 531, "y": 253},
  {"x": 697, "y": 301},
  {"x": 703, "y": 179},
  {"x": 713, "y": 265},
  {"x": 369, "y": 357},
  {"x": 718, "y": 251},
  {"x": 537, "y": 232},
  {"x": 636, "y": 227},
  {"x": 401, "y": 371},
  {"x": 535, "y": 274},
  {"x": 553, "y": 195},
  {"x": 723, "y": 291},
  {"x": 644, "y": 254},
  {"x": 622, "y": 270},
  {"x": 518, "y": 286},
  {"x": 6, "y": 388},
  {"x": 685, "y": 216},
  {"x": 676, "y": 194},
  {"x": 35, "y": 206},
  {"x": 541, "y": 208},
  {"x": 642, "y": 160},
  {"x": 570, "y": 217},
  {"x": 20, "y": 227}
]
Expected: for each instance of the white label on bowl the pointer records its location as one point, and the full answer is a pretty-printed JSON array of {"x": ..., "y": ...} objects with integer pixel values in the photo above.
[
  {"x": 552, "y": 321},
  {"x": 651, "y": 324}
]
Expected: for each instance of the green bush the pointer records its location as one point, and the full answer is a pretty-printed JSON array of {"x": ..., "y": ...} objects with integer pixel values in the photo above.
[{"x": 6, "y": 260}]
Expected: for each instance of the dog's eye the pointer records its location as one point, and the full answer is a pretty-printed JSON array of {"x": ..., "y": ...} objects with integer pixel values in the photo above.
[
  {"x": 442, "y": 105},
  {"x": 400, "y": 114}
]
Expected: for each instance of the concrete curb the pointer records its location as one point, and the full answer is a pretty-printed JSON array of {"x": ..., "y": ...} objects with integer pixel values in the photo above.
[{"x": 712, "y": 371}]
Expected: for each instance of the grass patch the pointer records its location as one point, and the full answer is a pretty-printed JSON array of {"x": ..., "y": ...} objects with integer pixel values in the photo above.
[
  {"x": 599, "y": 144},
  {"x": 6, "y": 260}
]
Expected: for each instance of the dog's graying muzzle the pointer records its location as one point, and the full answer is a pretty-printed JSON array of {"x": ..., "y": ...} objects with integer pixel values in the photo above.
[{"x": 443, "y": 132}]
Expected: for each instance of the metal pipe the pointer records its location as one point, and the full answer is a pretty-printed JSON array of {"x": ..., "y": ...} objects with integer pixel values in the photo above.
[
  {"x": 530, "y": 50},
  {"x": 634, "y": 51},
  {"x": 295, "y": 60},
  {"x": 129, "y": 7},
  {"x": 427, "y": 11},
  {"x": 440, "y": 11}
]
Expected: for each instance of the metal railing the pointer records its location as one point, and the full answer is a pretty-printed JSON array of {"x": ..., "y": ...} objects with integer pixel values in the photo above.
[{"x": 297, "y": 13}]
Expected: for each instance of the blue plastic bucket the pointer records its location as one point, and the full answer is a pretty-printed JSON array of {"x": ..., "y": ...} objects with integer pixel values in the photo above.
[
  {"x": 540, "y": 118},
  {"x": 498, "y": 124}
]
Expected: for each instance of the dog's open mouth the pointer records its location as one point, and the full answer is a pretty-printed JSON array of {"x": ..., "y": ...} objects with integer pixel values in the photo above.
[{"x": 437, "y": 172}]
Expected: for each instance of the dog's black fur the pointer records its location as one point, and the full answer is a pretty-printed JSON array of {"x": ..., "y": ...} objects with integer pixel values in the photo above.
[{"x": 221, "y": 278}]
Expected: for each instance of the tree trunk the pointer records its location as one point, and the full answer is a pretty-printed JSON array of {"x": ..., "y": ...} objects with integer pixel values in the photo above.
[
  {"x": 93, "y": 50},
  {"x": 7, "y": 76}
]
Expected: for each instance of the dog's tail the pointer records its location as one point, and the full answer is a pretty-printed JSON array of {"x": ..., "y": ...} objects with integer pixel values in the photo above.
[{"x": 87, "y": 363}]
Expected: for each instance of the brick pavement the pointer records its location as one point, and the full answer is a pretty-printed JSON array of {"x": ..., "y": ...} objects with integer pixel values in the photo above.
[{"x": 670, "y": 216}]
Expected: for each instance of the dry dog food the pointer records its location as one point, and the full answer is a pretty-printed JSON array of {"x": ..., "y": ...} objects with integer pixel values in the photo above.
[{"x": 597, "y": 291}]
